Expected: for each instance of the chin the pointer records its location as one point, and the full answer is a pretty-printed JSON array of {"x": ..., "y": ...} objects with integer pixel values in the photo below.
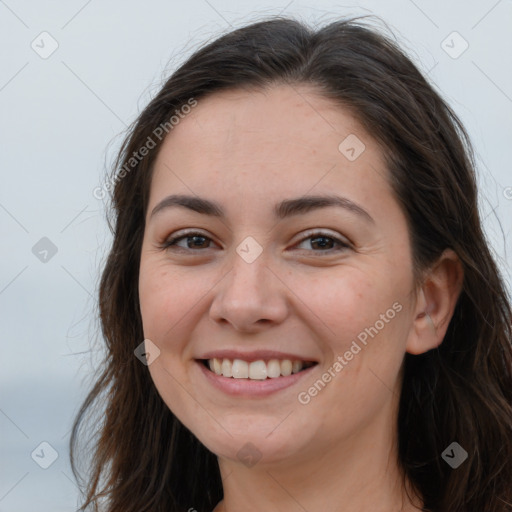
[{"x": 259, "y": 444}]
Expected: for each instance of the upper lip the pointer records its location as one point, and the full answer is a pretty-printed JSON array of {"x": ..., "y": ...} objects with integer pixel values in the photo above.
[{"x": 255, "y": 355}]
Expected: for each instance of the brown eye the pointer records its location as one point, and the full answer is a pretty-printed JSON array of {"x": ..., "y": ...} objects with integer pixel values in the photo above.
[
  {"x": 324, "y": 242},
  {"x": 193, "y": 240}
]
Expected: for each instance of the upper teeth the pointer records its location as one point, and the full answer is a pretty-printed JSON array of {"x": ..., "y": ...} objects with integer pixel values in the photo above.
[{"x": 257, "y": 370}]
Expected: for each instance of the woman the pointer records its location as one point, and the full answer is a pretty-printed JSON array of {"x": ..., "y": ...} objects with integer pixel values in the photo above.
[{"x": 300, "y": 307}]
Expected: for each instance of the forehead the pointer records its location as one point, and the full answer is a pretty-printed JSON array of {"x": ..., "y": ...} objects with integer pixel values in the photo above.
[{"x": 280, "y": 140}]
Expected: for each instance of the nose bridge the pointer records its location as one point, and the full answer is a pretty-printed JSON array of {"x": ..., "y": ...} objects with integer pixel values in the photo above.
[
  {"x": 249, "y": 276},
  {"x": 250, "y": 293}
]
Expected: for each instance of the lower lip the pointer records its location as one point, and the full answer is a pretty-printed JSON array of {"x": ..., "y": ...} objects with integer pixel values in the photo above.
[{"x": 252, "y": 388}]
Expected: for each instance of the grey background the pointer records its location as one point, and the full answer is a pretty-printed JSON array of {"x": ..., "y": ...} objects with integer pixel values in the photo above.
[{"x": 60, "y": 121}]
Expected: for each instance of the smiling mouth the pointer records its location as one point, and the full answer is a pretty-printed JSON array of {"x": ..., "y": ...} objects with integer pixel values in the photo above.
[{"x": 255, "y": 370}]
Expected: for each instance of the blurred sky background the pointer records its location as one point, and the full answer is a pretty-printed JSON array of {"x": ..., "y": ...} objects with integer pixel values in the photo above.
[{"x": 61, "y": 116}]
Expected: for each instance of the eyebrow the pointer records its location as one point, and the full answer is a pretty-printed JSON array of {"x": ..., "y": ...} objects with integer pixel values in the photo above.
[{"x": 282, "y": 210}]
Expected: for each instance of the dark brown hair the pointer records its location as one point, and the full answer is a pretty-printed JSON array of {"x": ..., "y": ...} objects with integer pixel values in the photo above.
[{"x": 143, "y": 458}]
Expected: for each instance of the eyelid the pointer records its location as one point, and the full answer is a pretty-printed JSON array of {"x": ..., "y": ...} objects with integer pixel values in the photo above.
[{"x": 326, "y": 233}]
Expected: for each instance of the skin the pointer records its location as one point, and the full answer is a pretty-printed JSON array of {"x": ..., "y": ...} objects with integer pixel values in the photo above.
[{"x": 248, "y": 150}]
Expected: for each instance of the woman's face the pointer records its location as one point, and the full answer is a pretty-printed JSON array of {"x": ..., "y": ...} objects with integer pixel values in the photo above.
[{"x": 261, "y": 274}]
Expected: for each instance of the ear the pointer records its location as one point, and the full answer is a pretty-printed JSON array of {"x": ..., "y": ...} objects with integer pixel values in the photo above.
[{"x": 436, "y": 303}]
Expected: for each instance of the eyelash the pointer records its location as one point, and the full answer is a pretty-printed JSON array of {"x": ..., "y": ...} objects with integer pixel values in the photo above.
[{"x": 168, "y": 244}]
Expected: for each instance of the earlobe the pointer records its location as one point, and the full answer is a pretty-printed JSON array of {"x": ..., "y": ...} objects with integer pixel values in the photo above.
[{"x": 438, "y": 297}]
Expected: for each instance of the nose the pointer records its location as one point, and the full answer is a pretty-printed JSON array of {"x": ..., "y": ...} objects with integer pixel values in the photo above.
[{"x": 250, "y": 298}]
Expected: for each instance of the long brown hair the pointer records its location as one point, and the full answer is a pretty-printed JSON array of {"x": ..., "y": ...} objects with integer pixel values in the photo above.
[{"x": 143, "y": 458}]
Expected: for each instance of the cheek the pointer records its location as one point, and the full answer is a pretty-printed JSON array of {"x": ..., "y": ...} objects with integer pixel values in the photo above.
[
  {"x": 167, "y": 310},
  {"x": 165, "y": 298},
  {"x": 368, "y": 323},
  {"x": 348, "y": 301},
  {"x": 364, "y": 361}
]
